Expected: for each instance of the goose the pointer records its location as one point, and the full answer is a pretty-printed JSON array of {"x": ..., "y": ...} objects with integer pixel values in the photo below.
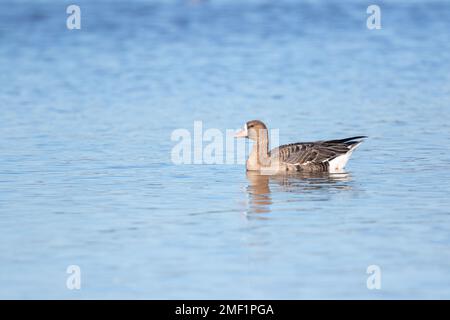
[{"x": 319, "y": 156}]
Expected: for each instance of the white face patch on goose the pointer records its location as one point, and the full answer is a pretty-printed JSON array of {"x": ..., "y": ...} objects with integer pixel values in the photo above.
[{"x": 246, "y": 129}]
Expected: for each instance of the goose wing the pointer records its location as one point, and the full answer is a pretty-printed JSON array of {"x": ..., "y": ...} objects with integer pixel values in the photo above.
[{"x": 318, "y": 152}]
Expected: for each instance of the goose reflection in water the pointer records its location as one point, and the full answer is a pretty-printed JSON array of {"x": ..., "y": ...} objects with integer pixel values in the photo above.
[{"x": 260, "y": 195}]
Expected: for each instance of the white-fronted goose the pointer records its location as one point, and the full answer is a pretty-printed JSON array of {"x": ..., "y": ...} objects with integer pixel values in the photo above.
[{"x": 319, "y": 156}]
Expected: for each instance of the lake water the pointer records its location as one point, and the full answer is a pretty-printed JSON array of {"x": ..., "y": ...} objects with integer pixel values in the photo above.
[{"x": 86, "y": 176}]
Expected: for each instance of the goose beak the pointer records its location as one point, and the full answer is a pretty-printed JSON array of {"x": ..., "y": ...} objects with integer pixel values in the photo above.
[{"x": 243, "y": 133}]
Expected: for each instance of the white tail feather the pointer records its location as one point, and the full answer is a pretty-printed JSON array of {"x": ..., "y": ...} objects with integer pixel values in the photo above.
[{"x": 338, "y": 163}]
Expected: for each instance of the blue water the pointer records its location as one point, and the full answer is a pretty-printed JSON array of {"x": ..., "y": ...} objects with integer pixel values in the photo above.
[{"x": 86, "y": 176}]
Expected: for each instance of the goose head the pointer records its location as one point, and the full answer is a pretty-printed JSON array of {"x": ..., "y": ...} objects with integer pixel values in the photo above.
[{"x": 252, "y": 130}]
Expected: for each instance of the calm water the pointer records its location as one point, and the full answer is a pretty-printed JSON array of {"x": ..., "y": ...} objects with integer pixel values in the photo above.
[{"x": 86, "y": 176}]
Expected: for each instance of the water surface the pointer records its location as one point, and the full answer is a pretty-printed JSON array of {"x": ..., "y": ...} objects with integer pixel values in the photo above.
[{"x": 86, "y": 176}]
